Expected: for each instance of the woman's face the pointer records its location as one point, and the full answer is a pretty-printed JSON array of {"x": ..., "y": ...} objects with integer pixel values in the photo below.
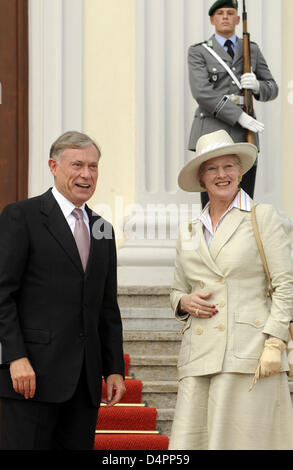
[{"x": 221, "y": 177}]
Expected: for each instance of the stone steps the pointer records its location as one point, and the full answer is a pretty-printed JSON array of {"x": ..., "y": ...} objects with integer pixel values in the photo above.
[
  {"x": 164, "y": 420},
  {"x": 151, "y": 342},
  {"x": 156, "y": 319},
  {"x": 153, "y": 368},
  {"x": 160, "y": 394},
  {"x": 152, "y": 338}
]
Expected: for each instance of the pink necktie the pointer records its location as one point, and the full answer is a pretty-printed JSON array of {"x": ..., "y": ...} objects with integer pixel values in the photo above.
[{"x": 82, "y": 237}]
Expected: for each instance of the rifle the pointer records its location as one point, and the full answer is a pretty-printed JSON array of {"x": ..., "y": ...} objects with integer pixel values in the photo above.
[{"x": 248, "y": 96}]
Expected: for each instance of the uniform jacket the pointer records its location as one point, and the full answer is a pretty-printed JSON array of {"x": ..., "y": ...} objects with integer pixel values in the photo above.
[
  {"x": 51, "y": 311},
  {"x": 232, "y": 270},
  {"x": 210, "y": 82}
]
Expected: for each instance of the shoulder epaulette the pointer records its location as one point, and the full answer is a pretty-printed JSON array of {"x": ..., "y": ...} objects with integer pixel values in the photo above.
[{"x": 200, "y": 43}]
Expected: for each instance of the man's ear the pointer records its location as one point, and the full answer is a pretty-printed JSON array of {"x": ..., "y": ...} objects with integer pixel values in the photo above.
[{"x": 52, "y": 165}]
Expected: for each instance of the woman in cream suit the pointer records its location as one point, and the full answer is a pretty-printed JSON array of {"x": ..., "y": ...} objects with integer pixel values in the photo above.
[{"x": 232, "y": 334}]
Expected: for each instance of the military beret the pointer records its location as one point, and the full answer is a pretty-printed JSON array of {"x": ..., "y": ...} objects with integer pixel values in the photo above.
[{"x": 223, "y": 4}]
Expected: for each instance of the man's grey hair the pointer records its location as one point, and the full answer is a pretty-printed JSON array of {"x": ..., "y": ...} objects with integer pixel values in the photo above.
[{"x": 71, "y": 140}]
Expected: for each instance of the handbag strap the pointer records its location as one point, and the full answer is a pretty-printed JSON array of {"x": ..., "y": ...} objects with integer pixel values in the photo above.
[{"x": 260, "y": 248}]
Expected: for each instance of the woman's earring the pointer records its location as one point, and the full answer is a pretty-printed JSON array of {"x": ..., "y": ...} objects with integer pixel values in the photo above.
[{"x": 240, "y": 179}]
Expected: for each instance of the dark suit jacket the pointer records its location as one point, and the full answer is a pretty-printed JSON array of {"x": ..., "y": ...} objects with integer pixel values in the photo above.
[{"x": 50, "y": 309}]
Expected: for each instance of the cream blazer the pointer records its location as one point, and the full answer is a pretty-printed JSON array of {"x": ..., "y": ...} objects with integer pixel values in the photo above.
[{"x": 232, "y": 270}]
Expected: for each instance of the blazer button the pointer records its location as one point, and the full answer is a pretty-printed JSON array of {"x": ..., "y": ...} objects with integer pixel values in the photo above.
[
  {"x": 256, "y": 322},
  {"x": 199, "y": 331},
  {"x": 201, "y": 284},
  {"x": 222, "y": 304},
  {"x": 221, "y": 327}
]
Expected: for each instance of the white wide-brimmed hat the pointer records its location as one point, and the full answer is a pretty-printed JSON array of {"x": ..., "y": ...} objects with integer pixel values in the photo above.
[{"x": 215, "y": 144}]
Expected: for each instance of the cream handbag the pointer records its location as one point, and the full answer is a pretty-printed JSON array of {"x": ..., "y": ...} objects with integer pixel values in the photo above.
[{"x": 271, "y": 289}]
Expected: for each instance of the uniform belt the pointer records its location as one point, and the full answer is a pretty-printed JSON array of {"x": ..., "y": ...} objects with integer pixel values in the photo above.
[{"x": 237, "y": 99}]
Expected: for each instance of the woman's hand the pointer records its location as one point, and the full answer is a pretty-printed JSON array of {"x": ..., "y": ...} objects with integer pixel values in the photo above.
[{"x": 196, "y": 305}]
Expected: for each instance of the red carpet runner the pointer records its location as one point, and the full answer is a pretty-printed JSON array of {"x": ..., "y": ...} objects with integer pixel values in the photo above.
[{"x": 129, "y": 425}]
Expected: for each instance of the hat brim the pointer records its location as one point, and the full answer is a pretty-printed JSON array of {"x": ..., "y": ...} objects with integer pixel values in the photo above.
[{"x": 188, "y": 177}]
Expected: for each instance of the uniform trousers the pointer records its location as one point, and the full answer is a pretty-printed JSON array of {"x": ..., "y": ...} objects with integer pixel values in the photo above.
[
  {"x": 219, "y": 413},
  {"x": 32, "y": 425}
]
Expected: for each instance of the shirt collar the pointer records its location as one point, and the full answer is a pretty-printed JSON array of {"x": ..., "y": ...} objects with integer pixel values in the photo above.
[
  {"x": 65, "y": 205},
  {"x": 241, "y": 202},
  {"x": 221, "y": 40}
]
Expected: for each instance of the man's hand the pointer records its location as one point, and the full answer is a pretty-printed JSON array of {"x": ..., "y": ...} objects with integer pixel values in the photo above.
[
  {"x": 115, "y": 389},
  {"x": 23, "y": 377},
  {"x": 250, "y": 123},
  {"x": 250, "y": 82}
]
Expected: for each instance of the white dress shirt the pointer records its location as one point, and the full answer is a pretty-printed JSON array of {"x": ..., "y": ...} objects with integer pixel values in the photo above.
[
  {"x": 67, "y": 207},
  {"x": 241, "y": 201}
]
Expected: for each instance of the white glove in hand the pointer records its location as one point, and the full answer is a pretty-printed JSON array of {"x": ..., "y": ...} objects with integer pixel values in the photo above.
[
  {"x": 270, "y": 362},
  {"x": 250, "y": 123},
  {"x": 250, "y": 82}
]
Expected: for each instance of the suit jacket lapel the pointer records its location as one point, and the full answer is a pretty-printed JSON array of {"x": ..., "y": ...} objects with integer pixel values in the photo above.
[
  {"x": 221, "y": 51},
  {"x": 92, "y": 218},
  {"x": 225, "y": 231},
  {"x": 59, "y": 228},
  {"x": 203, "y": 250},
  {"x": 239, "y": 51}
]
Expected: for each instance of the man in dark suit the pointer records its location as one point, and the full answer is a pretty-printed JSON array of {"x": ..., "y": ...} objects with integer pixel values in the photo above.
[{"x": 60, "y": 324}]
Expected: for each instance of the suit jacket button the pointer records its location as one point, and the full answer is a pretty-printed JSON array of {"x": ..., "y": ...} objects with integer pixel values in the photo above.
[
  {"x": 201, "y": 284},
  {"x": 199, "y": 331},
  {"x": 221, "y": 327},
  {"x": 222, "y": 304}
]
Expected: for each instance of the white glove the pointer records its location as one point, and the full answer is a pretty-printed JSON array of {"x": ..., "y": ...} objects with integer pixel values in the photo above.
[
  {"x": 270, "y": 362},
  {"x": 250, "y": 123},
  {"x": 250, "y": 82}
]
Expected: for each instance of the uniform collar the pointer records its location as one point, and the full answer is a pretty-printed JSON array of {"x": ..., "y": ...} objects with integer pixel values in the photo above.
[{"x": 221, "y": 40}]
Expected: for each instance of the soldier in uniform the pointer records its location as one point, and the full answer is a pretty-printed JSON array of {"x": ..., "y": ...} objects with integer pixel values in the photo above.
[{"x": 217, "y": 81}]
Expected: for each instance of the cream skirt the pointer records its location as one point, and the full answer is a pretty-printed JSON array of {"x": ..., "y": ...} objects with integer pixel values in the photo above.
[{"x": 219, "y": 413}]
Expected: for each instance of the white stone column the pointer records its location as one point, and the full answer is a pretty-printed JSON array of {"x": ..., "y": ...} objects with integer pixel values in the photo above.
[
  {"x": 164, "y": 112},
  {"x": 55, "y": 81}
]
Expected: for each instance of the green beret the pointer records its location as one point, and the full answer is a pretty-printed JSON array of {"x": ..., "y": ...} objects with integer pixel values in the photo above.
[{"x": 223, "y": 4}]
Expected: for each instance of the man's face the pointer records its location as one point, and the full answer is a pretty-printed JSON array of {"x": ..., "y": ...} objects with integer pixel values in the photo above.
[
  {"x": 76, "y": 173},
  {"x": 225, "y": 21}
]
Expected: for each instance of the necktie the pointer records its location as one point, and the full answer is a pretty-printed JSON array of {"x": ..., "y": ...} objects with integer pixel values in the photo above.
[
  {"x": 82, "y": 237},
  {"x": 230, "y": 51}
]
